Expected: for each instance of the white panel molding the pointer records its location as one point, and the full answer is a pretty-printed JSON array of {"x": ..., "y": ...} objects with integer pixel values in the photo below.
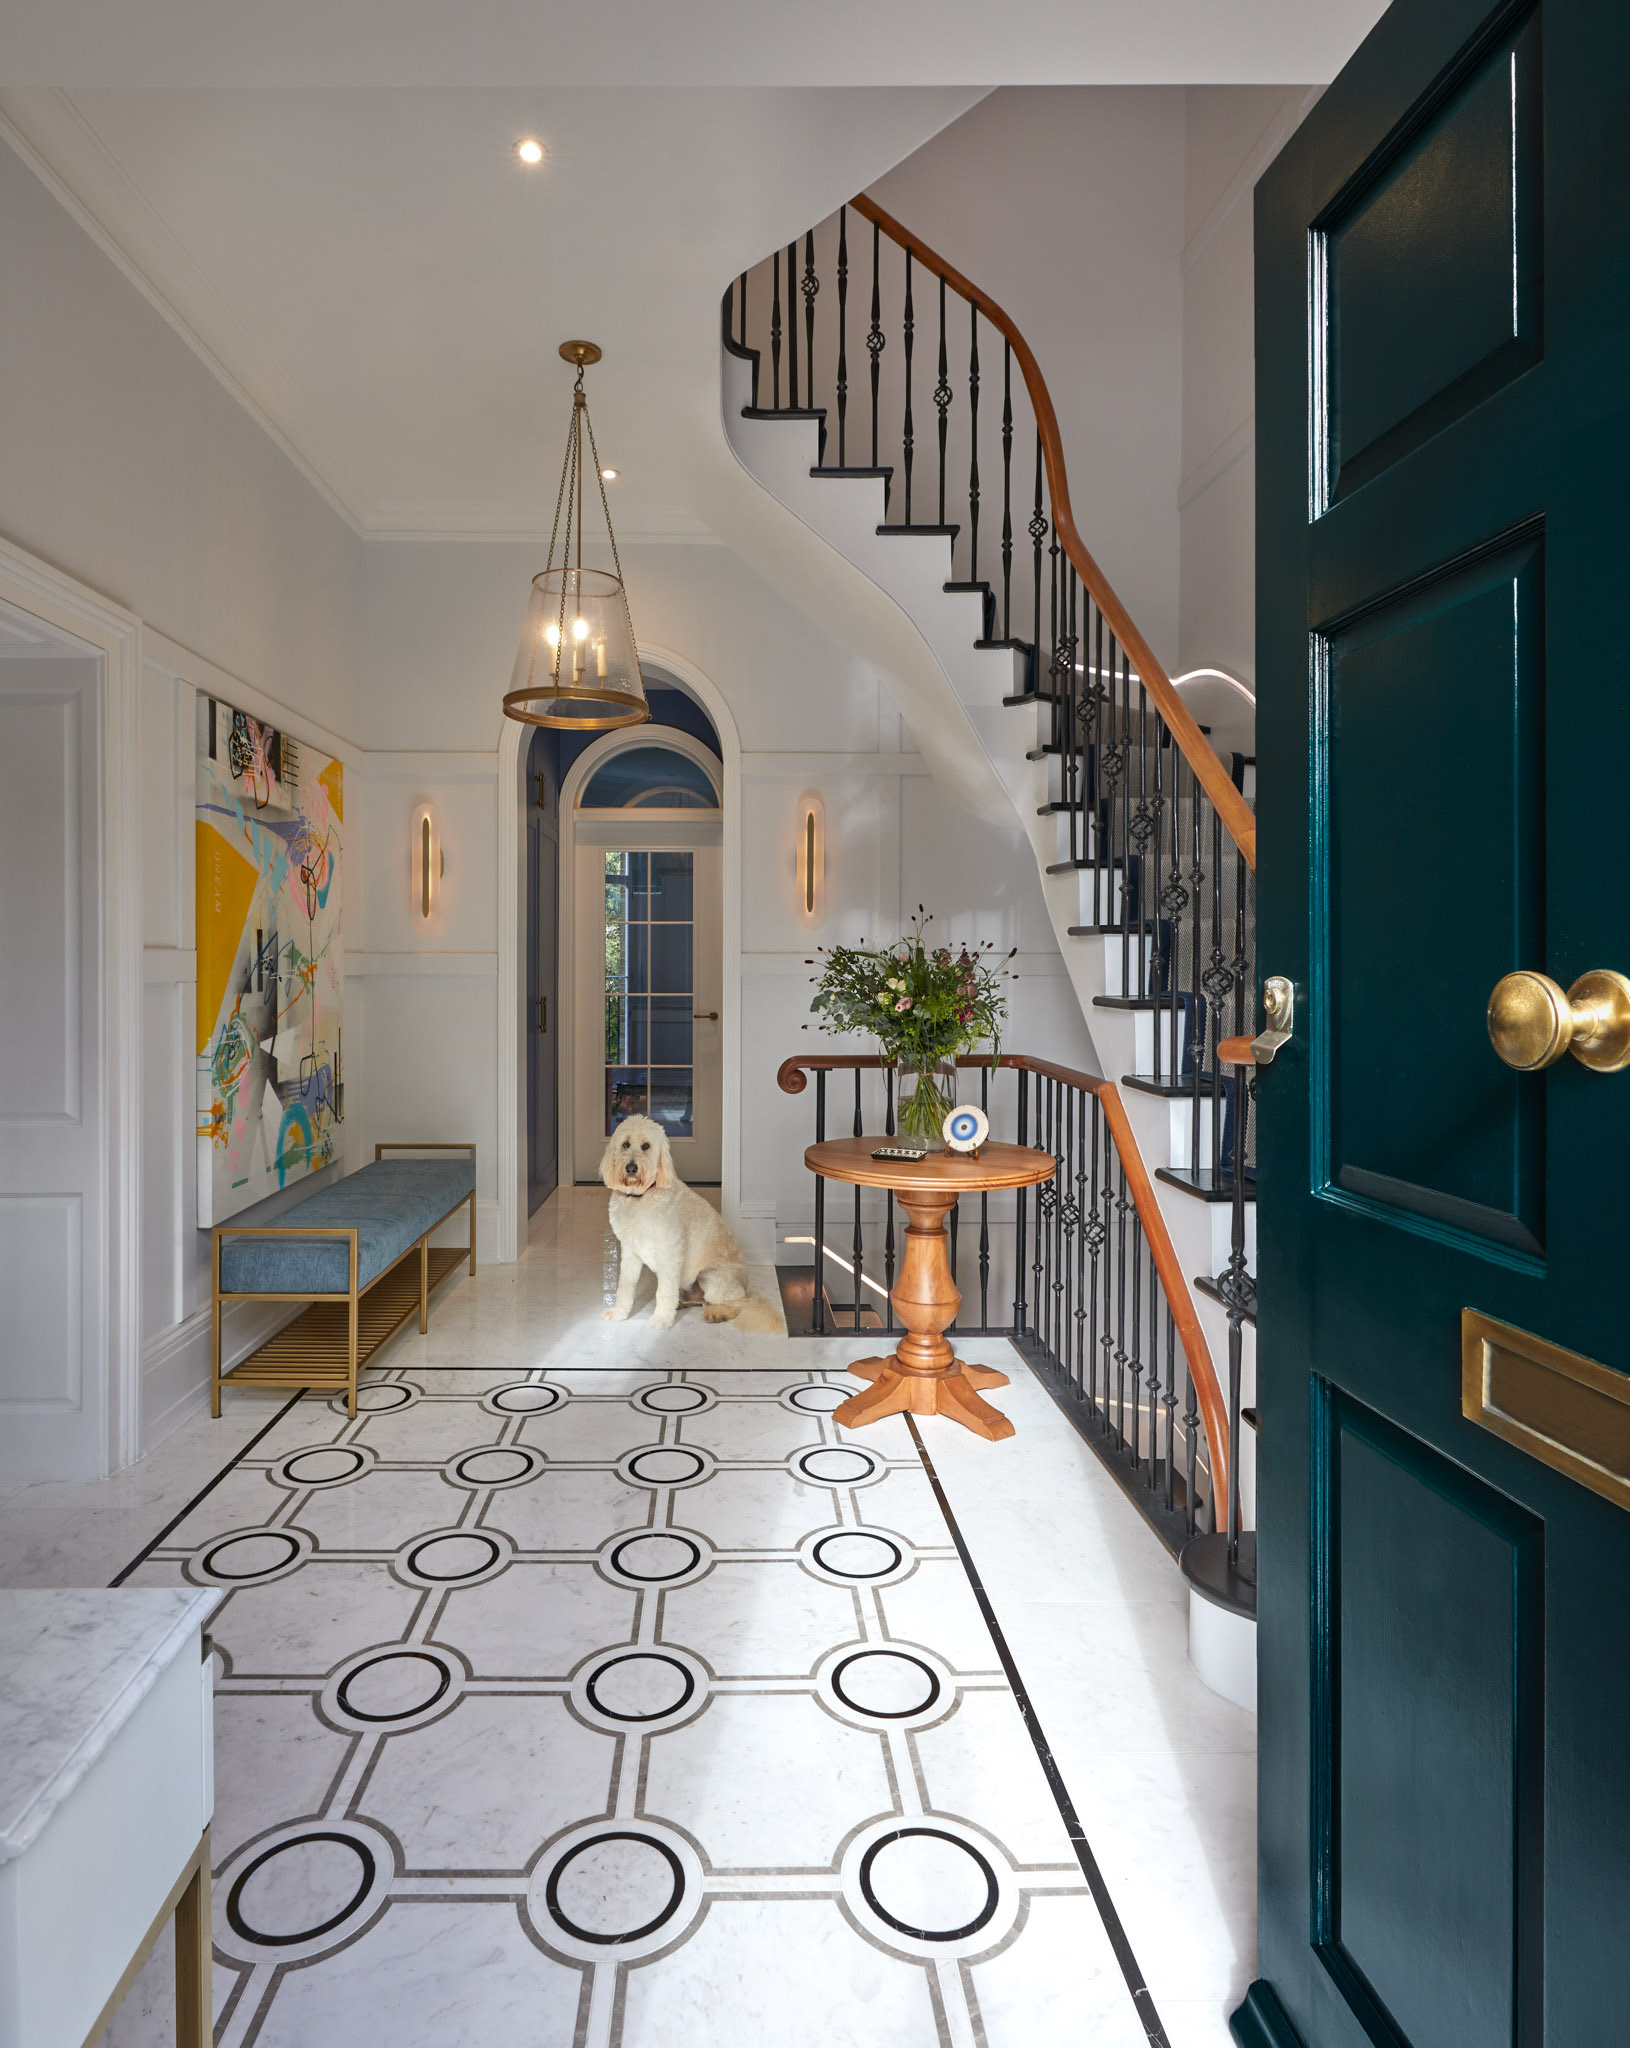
[
  {"x": 421, "y": 966},
  {"x": 769, "y": 767},
  {"x": 1226, "y": 453},
  {"x": 161, "y": 964},
  {"x": 36, "y": 587}
]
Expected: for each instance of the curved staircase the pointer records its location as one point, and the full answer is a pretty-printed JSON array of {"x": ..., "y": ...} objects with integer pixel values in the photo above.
[{"x": 854, "y": 419}]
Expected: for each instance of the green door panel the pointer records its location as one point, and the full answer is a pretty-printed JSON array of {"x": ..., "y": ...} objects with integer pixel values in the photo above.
[{"x": 1443, "y": 743}]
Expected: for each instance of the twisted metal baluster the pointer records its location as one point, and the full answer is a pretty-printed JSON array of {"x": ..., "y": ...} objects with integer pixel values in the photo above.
[
  {"x": 1038, "y": 533},
  {"x": 942, "y": 403},
  {"x": 792, "y": 328},
  {"x": 973, "y": 454},
  {"x": 875, "y": 343},
  {"x": 811, "y": 285}
]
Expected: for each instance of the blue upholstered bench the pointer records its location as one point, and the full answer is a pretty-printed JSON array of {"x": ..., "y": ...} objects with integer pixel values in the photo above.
[{"x": 349, "y": 1251}]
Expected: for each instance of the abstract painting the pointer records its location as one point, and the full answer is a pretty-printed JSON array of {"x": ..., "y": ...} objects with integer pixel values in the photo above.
[{"x": 271, "y": 1098}]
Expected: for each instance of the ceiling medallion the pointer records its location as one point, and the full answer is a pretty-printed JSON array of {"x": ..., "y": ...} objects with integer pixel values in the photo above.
[{"x": 578, "y": 668}]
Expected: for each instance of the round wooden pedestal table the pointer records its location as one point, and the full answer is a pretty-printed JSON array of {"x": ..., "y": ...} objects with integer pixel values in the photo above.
[{"x": 924, "y": 1376}]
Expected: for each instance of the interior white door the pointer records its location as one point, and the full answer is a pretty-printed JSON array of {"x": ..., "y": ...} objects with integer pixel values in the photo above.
[
  {"x": 53, "y": 1167},
  {"x": 648, "y": 972}
]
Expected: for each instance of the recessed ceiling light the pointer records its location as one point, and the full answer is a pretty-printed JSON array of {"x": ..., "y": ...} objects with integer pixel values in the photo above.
[
  {"x": 530, "y": 151},
  {"x": 610, "y": 475}
]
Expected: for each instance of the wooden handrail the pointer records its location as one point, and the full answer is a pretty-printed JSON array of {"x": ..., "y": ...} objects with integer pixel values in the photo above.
[
  {"x": 792, "y": 1078},
  {"x": 1209, "y": 771}
]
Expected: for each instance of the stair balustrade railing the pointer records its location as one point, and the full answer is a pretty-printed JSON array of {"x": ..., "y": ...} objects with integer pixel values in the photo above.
[
  {"x": 1155, "y": 824},
  {"x": 1081, "y": 1274}
]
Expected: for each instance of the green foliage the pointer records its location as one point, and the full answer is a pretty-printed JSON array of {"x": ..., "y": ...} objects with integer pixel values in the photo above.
[{"x": 922, "y": 1004}]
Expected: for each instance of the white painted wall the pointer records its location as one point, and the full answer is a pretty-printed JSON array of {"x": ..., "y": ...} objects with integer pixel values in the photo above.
[{"x": 1232, "y": 133}]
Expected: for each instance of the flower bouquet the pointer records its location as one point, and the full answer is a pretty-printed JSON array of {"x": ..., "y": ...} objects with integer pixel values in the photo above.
[{"x": 924, "y": 1005}]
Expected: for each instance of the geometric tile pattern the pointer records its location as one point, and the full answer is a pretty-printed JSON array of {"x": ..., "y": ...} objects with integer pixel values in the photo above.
[{"x": 588, "y": 1708}]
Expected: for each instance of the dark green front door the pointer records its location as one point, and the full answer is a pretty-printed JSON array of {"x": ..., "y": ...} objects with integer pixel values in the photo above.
[{"x": 1443, "y": 345}]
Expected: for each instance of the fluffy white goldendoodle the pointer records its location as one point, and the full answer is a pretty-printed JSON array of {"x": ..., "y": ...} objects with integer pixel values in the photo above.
[{"x": 667, "y": 1226}]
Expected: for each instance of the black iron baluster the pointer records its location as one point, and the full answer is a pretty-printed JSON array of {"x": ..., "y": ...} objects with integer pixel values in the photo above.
[
  {"x": 811, "y": 285},
  {"x": 817, "y": 1314},
  {"x": 984, "y": 1217},
  {"x": 1067, "y": 726},
  {"x": 908, "y": 437},
  {"x": 1122, "y": 1232},
  {"x": 775, "y": 332},
  {"x": 973, "y": 446},
  {"x": 1038, "y": 1296},
  {"x": 1197, "y": 876},
  {"x": 1094, "y": 1236},
  {"x": 858, "y": 1247},
  {"x": 843, "y": 333},
  {"x": 1171, "y": 1408},
  {"x": 1020, "y": 1207},
  {"x": 744, "y": 309},
  {"x": 942, "y": 402},
  {"x": 875, "y": 343},
  {"x": 1136, "y": 1358},
  {"x": 888, "y": 1232},
  {"x": 1106, "y": 1340},
  {"x": 1083, "y": 1213},
  {"x": 792, "y": 327},
  {"x": 1219, "y": 981},
  {"x": 1007, "y": 489},
  {"x": 1038, "y": 533}
]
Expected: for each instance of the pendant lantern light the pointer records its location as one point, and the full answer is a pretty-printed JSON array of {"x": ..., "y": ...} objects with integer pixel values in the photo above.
[{"x": 578, "y": 668}]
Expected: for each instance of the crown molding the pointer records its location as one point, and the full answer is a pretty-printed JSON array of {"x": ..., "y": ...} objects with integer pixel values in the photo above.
[{"x": 48, "y": 131}]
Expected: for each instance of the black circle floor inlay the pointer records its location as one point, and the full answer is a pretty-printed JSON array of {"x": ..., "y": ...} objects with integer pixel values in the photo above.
[
  {"x": 323, "y": 1465},
  {"x": 655, "y": 1556},
  {"x": 911, "y": 1884},
  {"x": 874, "y": 1676},
  {"x": 817, "y": 1400},
  {"x": 301, "y": 1888},
  {"x": 857, "y": 1554},
  {"x": 455, "y": 1554},
  {"x": 836, "y": 1465},
  {"x": 496, "y": 1465},
  {"x": 379, "y": 1400},
  {"x": 666, "y": 1465},
  {"x": 251, "y": 1554},
  {"x": 412, "y": 1680},
  {"x": 529, "y": 1398},
  {"x": 647, "y": 1673},
  {"x": 608, "y": 1873},
  {"x": 672, "y": 1400}
]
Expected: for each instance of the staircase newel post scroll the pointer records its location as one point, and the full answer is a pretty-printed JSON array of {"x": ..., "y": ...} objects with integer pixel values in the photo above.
[{"x": 843, "y": 334}]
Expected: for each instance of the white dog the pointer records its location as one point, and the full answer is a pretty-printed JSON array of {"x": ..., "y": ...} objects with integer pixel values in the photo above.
[{"x": 665, "y": 1225}]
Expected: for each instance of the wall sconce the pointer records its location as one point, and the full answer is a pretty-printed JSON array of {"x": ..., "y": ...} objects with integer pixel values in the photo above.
[
  {"x": 811, "y": 858},
  {"x": 429, "y": 864}
]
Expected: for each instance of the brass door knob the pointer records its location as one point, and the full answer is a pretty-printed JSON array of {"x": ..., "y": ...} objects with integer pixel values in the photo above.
[{"x": 1532, "y": 1023}]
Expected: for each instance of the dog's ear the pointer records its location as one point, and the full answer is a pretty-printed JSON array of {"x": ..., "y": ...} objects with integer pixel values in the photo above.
[
  {"x": 665, "y": 1161},
  {"x": 605, "y": 1160}
]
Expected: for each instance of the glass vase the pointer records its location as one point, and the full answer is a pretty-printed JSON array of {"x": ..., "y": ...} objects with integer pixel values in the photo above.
[{"x": 927, "y": 1097}]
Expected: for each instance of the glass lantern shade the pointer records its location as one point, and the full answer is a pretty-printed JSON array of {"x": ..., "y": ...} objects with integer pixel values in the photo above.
[{"x": 577, "y": 667}]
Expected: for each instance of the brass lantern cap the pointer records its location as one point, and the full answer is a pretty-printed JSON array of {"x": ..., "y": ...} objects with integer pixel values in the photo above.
[{"x": 580, "y": 352}]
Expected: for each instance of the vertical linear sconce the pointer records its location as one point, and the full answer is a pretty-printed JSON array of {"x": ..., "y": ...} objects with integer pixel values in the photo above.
[
  {"x": 429, "y": 865},
  {"x": 811, "y": 858}
]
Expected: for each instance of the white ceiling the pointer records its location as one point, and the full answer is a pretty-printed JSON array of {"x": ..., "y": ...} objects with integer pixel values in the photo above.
[{"x": 679, "y": 42}]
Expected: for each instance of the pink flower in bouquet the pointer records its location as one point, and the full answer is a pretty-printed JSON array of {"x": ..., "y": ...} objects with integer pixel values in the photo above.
[{"x": 903, "y": 1004}]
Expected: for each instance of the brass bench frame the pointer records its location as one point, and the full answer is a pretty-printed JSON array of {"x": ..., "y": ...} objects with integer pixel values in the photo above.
[{"x": 330, "y": 1344}]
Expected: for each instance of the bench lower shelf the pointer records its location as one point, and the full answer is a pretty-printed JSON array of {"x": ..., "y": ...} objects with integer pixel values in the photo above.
[{"x": 312, "y": 1350}]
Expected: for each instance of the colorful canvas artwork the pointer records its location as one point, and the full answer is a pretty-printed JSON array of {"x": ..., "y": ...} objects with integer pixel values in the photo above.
[{"x": 271, "y": 1098}]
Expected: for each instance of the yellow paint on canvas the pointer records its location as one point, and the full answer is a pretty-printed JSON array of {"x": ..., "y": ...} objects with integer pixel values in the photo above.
[
  {"x": 226, "y": 888},
  {"x": 333, "y": 780}
]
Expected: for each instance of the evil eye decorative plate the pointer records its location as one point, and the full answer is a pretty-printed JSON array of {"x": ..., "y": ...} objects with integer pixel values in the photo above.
[{"x": 966, "y": 1128}]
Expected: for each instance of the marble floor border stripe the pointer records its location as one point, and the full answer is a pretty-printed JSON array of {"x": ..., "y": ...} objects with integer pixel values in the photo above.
[
  {"x": 206, "y": 1490},
  {"x": 1131, "y": 1970}
]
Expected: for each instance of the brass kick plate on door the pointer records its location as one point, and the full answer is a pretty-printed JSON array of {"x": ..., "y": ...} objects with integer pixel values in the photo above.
[{"x": 1567, "y": 1411}]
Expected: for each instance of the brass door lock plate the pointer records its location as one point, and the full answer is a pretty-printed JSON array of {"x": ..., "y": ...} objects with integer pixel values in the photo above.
[{"x": 1279, "y": 1018}]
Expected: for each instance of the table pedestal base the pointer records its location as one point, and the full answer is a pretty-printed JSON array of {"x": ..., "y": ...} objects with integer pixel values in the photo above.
[
  {"x": 924, "y": 1376},
  {"x": 952, "y": 1391}
]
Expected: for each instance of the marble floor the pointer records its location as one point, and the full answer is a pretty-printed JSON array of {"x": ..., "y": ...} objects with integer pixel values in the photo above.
[{"x": 594, "y": 1687}]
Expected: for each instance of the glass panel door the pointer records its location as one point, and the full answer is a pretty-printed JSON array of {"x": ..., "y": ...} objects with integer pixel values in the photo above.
[{"x": 650, "y": 948}]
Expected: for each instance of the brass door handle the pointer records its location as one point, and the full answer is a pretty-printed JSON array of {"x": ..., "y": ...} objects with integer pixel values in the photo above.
[
  {"x": 1278, "y": 1016},
  {"x": 1532, "y": 1023},
  {"x": 543, "y": 1014},
  {"x": 705, "y": 1016}
]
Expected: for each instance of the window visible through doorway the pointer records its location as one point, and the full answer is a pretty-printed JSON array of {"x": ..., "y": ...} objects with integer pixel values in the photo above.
[{"x": 650, "y": 971}]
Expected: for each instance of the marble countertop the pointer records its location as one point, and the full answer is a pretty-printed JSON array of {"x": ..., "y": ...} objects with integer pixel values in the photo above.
[{"x": 73, "y": 1666}]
